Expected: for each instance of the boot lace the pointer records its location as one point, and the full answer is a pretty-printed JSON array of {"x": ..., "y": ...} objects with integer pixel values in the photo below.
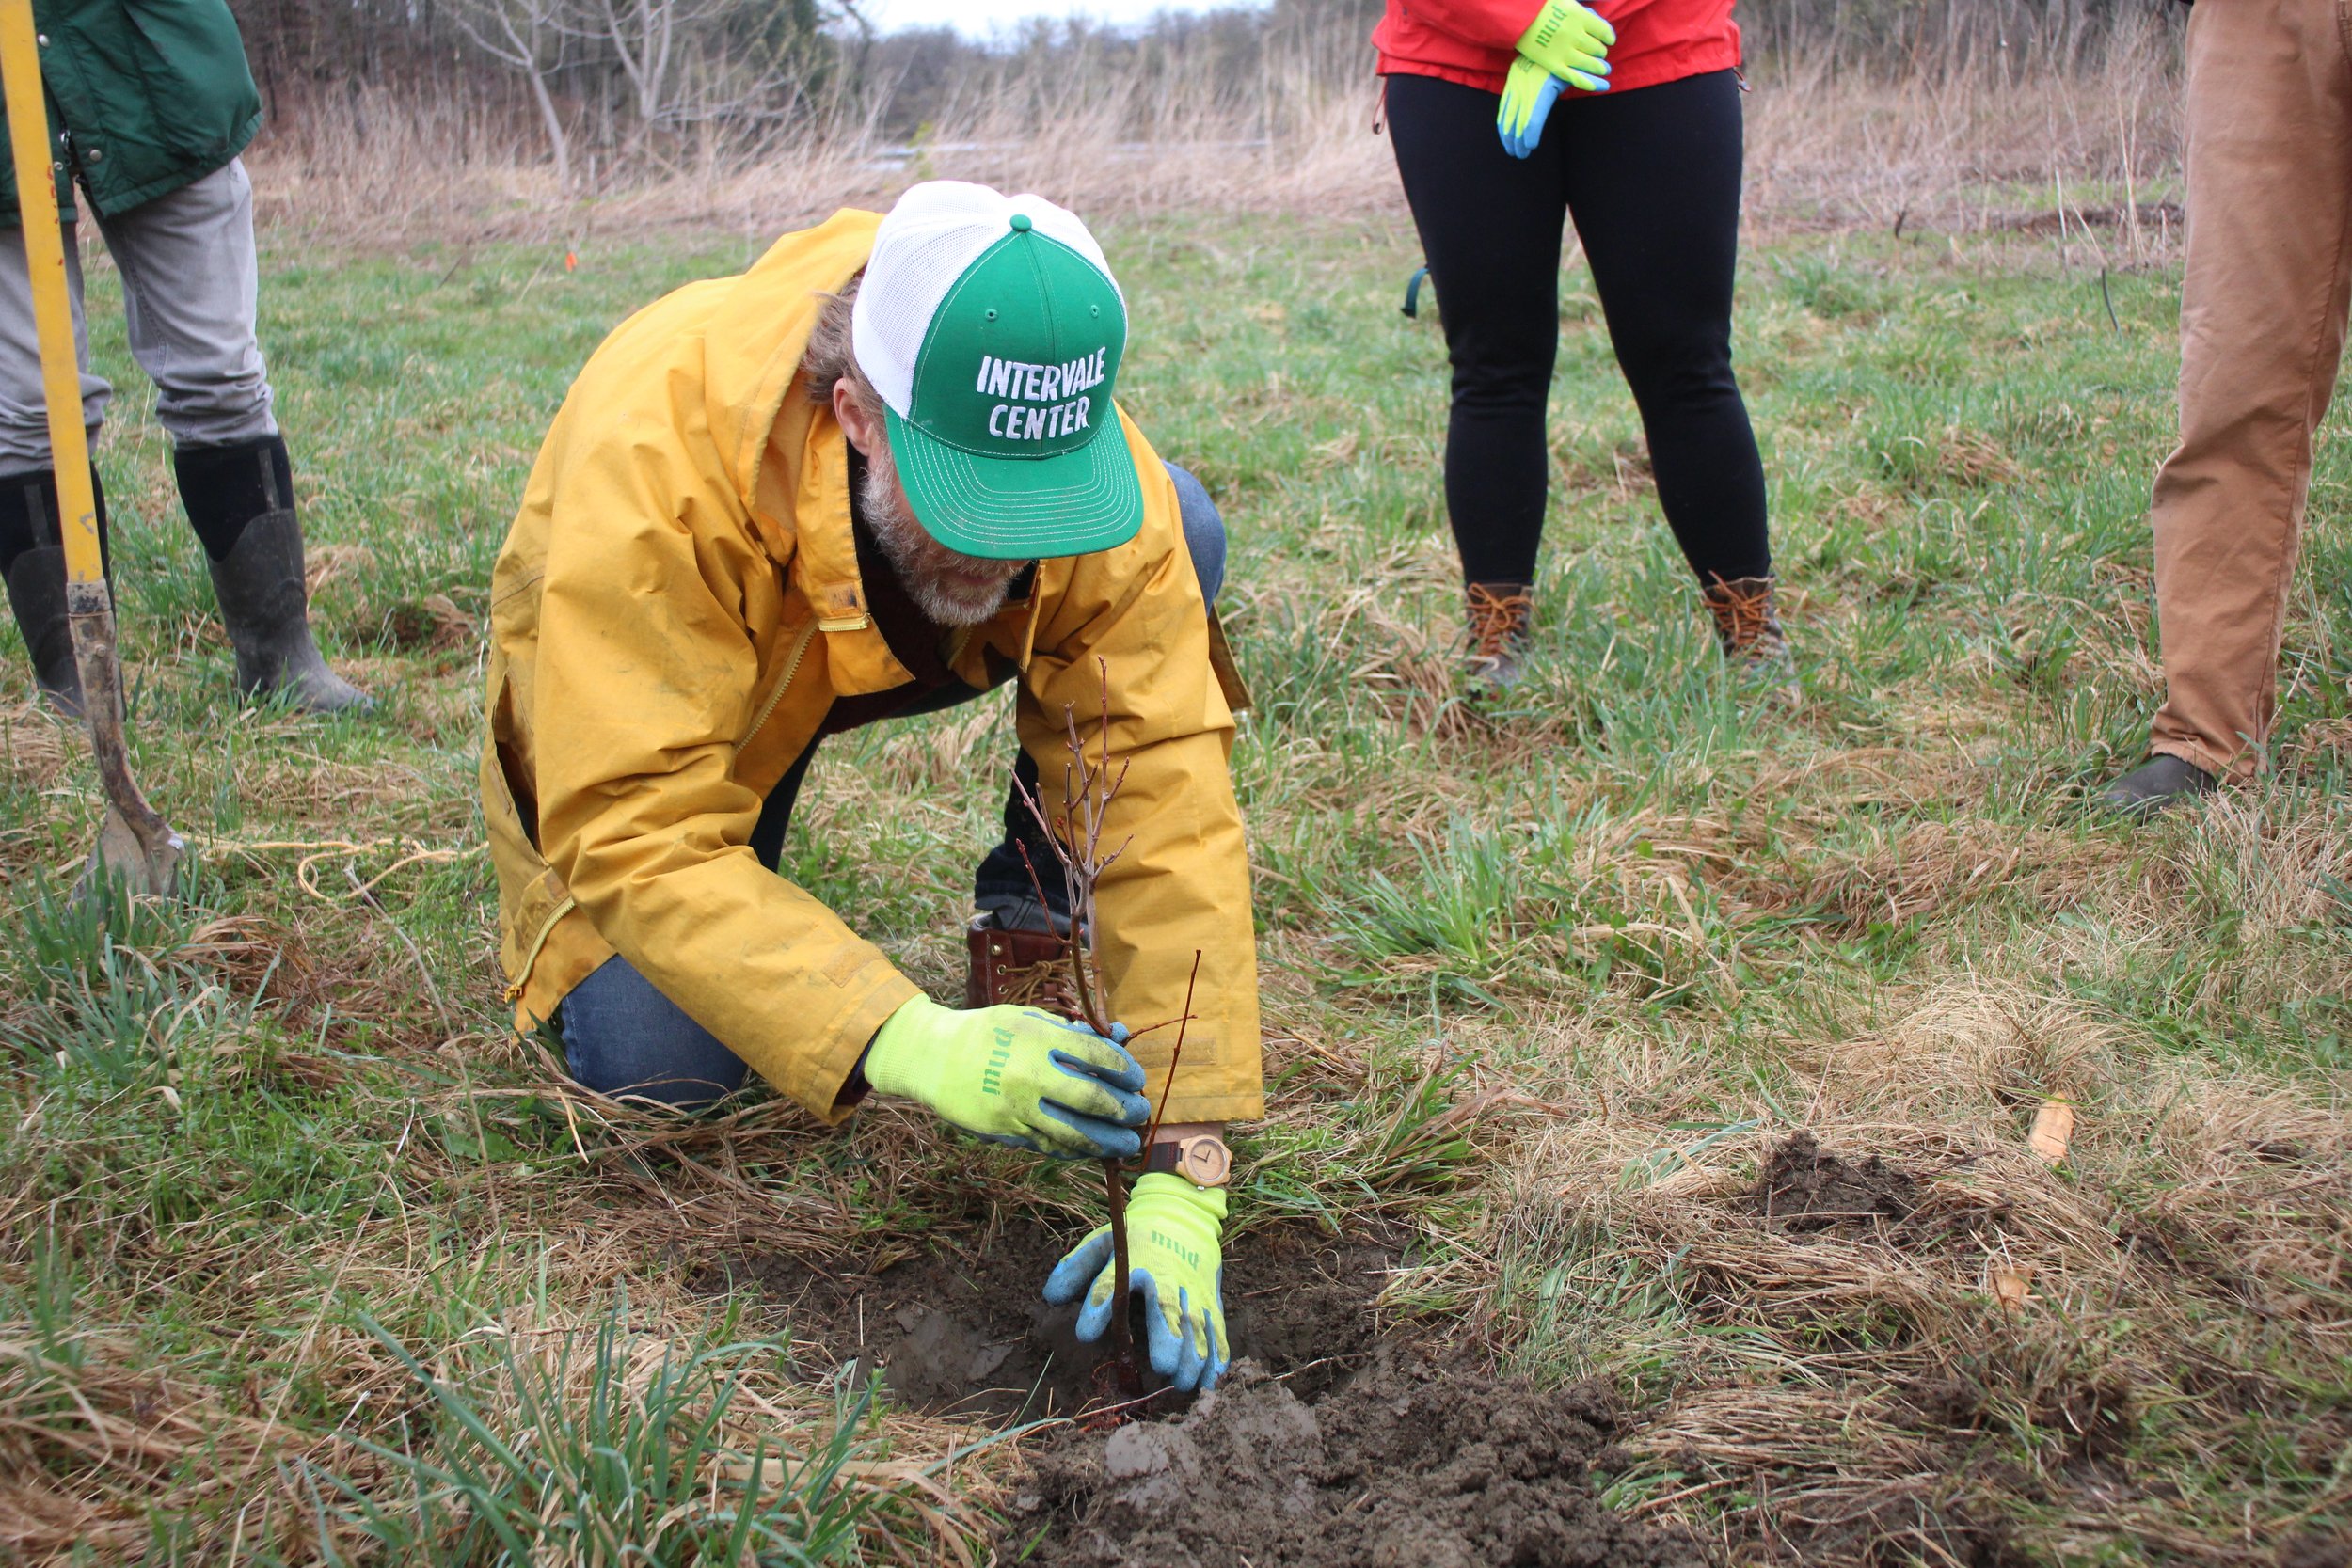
[
  {"x": 1044, "y": 986},
  {"x": 1498, "y": 622},
  {"x": 1746, "y": 617}
]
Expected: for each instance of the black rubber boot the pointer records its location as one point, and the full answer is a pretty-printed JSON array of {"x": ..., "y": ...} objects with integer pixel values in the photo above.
[
  {"x": 2160, "y": 782},
  {"x": 240, "y": 499},
  {"x": 32, "y": 556}
]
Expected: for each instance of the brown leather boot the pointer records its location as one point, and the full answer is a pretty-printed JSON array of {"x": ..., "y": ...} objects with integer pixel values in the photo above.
[
  {"x": 1021, "y": 969},
  {"x": 1747, "y": 624},
  {"x": 1495, "y": 625}
]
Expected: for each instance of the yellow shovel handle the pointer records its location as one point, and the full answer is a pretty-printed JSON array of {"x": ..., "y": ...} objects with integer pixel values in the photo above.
[
  {"x": 53, "y": 306},
  {"x": 136, "y": 843}
]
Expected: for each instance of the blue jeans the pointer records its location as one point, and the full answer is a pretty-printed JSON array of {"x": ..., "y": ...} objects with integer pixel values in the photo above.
[{"x": 622, "y": 1036}]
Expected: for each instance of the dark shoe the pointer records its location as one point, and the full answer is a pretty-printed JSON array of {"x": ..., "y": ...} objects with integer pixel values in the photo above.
[
  {"x": 35, "y": 580},
  {"x": 1021, "y": 969},
  {"x": 2161, "y": 781},
  {"x": 36, "y": 595},
  {"x": 1495, "y": 628},
  {"x": 1747, "y": 626},
  {"x": 240, "y": 499}
]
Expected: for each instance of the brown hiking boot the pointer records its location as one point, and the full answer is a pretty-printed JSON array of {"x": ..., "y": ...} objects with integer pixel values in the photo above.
[
  {"x": 1495, "y": 628},
  {"x": 1019, "y": 969},
  {"x": 1747, "y": 624}
]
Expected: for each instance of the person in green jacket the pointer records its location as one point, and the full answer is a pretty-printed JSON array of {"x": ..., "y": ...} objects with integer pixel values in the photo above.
[{"x": 150, "y": 104}]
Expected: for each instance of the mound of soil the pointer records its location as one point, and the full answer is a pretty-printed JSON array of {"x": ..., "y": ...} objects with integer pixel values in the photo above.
[
  {"x": 1804, "y": 1190},
  {"x": 1409, "y": 1464},
  {"x": 967, "y": 1332},
  {"x": 1326, "y": 1445}
]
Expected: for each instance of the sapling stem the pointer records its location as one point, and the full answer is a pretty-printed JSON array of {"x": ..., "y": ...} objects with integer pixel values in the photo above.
[
  {"x": 1114, "y": 1177},
  {"x": 1122, "y": 1334},
  {"x": 1123, "y": 1338},
  {"x": 1088, "y": 788},
  {"x": 1090, "y": 785}
]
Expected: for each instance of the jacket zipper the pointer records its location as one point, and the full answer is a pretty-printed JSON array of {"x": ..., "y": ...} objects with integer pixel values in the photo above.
[
  {"x": 530, "y": 960},
  {"x": 792, "y": 669}
]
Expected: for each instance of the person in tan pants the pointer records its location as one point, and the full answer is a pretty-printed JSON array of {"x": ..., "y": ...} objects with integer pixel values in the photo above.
[{"x": 2263, "y": 317}]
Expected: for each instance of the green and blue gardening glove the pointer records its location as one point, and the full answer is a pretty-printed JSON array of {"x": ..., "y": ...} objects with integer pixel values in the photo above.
[
  {"x": 1527, "y": 94},
  {"x": 1572, "y": 41},
  {"x": 1016, "y": 1075},
  {"x": 1175, "y": 1257}
]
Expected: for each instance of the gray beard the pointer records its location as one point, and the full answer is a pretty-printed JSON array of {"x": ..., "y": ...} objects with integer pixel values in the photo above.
[{"x": 904, "y": 541}]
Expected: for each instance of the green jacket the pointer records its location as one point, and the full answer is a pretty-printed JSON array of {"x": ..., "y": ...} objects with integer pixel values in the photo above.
[{"x": 144, "y": 96}]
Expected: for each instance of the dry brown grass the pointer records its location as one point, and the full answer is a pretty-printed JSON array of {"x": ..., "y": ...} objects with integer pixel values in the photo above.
[
  {"x": 93, "y": 1438},
  {"x": 1832, "y": 1385},
  {"x": 2085, "y": 156},
  {"x": 34, "y": 744},
  {"x": 96, "y": 1435}
]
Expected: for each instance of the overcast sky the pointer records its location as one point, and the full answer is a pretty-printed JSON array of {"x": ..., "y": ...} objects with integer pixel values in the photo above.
[{"x": 977, "y": 19}]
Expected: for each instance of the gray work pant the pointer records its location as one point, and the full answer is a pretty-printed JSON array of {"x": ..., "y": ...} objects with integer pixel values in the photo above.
[{"x": 190, "y": 288}]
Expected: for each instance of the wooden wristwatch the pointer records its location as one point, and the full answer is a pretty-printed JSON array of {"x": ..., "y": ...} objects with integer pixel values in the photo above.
[{"x": 1202, "y": 1160}]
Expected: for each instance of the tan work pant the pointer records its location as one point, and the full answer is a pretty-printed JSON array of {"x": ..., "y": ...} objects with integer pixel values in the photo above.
[{"x": 2263, "y": 312}]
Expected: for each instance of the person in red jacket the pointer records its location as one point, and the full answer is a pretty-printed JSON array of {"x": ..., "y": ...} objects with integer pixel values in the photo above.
[{"x": 1510, "y": 116}]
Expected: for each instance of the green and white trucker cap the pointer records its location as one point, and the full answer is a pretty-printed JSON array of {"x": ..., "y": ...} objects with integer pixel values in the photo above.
[{"x": 991, "y": 329}]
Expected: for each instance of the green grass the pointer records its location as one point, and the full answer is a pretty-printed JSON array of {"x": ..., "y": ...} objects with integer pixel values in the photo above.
[
  {"x": 269, "y": 1166},
  {"x": 600, "y": 1452}
]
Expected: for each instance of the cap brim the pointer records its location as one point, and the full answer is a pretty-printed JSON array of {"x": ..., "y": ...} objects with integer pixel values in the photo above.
[{"x": 1021, "y": 508}]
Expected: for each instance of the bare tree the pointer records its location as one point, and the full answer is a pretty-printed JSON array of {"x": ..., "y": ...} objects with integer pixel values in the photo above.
[
  {"x": 675, "y": 57},
  {"x": 644, "y": 39},
  {"x": 528, "y": 36}
]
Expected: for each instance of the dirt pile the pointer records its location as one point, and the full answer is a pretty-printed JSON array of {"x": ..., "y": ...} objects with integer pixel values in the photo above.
[
  {"x": 967, "y": 1332},
  {"x": 1326, "y": 1445},
  {"x": 1803, "y": 1188},
  {"x": 1409, "y": 1464}
]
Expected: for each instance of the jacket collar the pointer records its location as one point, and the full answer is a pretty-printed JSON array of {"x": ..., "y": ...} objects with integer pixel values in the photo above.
[{"x": 824, "y": 568}]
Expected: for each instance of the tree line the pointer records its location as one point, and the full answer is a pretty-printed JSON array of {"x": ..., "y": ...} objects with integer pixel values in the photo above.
[{"x": 611, "y": 83}]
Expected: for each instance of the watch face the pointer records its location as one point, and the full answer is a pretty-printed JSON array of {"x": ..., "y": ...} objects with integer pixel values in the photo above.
[{"x": 1206, "y": 1162}]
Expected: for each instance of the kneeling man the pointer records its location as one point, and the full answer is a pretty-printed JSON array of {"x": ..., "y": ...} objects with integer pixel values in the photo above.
[{"x": 876, "y": 475}]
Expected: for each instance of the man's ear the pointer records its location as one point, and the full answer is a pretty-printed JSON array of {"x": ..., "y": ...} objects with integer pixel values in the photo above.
[{"x": 861, "y": 428}]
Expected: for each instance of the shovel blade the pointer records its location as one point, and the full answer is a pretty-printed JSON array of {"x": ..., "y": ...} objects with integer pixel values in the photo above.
[{"x": 148, "y": 863}]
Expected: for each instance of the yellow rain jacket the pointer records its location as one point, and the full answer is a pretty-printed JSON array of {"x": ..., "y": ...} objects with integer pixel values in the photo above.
[{"x": 675, "y": 608}]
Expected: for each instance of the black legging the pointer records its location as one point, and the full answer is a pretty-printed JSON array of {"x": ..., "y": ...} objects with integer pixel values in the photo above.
[{"x": 1652, "y": 178}]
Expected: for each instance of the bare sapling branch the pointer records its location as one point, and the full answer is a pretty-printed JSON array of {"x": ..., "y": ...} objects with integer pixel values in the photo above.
[
  {"x": 1090, "y": 787},
  {"x": 1175, "y": 1055}
]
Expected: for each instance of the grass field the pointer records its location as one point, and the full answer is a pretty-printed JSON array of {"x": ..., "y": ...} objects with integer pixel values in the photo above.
[{"x": 296, "y": 1244}]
